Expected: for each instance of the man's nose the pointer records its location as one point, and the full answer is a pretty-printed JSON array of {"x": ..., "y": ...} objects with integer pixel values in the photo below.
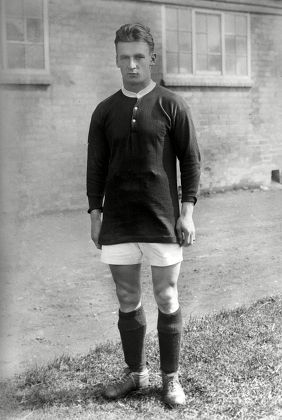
[{"x": 132, "y": 64}]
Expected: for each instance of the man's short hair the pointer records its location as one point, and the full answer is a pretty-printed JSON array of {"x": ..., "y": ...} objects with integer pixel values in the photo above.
[{"x": 135, "y": 32}]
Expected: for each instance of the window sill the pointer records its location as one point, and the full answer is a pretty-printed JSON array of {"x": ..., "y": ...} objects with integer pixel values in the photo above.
[
  {"x": 206, "y": 81},
  {"x": 8, "y": 78}
]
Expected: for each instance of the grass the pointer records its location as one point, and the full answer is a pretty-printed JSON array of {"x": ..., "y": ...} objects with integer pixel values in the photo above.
[{"x": 231, "y": 368}]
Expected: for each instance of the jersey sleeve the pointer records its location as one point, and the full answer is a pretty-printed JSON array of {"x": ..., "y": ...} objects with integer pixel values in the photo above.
[
  {"x": 97, "y": 161},
  {"x": 187, "y": 151}
]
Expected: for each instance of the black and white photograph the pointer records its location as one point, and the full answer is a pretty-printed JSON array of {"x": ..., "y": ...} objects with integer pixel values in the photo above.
[{"x": 141, "y": 209}]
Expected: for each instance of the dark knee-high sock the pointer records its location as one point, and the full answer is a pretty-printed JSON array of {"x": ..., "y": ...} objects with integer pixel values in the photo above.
[
  {"x": 169, "y": 332},
  {"x": 132, "y": 328}
]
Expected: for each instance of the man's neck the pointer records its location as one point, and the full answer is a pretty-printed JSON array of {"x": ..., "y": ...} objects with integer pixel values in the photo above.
[{"x": 141, "y": 92}]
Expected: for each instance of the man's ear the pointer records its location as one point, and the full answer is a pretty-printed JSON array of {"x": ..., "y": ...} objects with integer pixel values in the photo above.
[
  {"x": 117, "y": 61},
  {"x": 153, "y": 59}
]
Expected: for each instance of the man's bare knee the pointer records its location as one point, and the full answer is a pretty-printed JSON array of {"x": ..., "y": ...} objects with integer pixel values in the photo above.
[
  {"x": 167, "y": 299},
  {"x": 128, "y": 287},
  {"x": 128, "y": 300}
]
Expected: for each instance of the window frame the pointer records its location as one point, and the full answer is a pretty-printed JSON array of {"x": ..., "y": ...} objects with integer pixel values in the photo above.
[
  {"x": 25, "y": 75},
  {"x": 206, "y": 78}
]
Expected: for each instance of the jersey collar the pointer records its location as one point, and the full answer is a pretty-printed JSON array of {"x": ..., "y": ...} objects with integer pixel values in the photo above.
[{"x": 141, "y": 93}]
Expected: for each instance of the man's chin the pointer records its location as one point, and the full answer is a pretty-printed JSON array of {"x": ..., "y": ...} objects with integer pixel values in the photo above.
[
  {"x": 133, "y": 77},
  {"x": 134, "y": 84}
]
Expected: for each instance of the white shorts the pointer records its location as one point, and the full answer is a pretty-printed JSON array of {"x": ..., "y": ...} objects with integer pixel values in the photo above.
[{"x": 133, "y": 252}]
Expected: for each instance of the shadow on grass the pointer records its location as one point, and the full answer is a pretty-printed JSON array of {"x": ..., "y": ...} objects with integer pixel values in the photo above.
[{"x": 40, "y": 396}]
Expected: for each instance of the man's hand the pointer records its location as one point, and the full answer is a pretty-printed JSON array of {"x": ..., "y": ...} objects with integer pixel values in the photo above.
[
  {"x": 185, "y": 227},
  {"x": 96, "y": 223}
]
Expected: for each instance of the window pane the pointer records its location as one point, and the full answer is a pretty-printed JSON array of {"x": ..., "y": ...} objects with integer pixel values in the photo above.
[
  {"x": 201, "y": 24},
  {"x": 185, "y": 20},
  {"x": 33, "y": 8},
  {"x": 171, "y": 18},
  {"x": 171, "y": 41},
  {"x": 202, "y": 44},
  {"x": 230, "y": 64},
  {"x": 185, "y": 63},
  {"x": 242, "y": 68},
  {"x": 34, "y": 28},
  {"x": 16, "y": 56},
  {"x": 241, "y": 25},
  {"x": 35, "y": 56},
  {"x": 230, "y": 44},
  {"x": 213, "y": 24},
  {"x": 15, "y": 30},
  {"x": 241, "y": 45},
  {"x": 214, "y": 44},
  {"x": 14, "y": 7},
  {"x": 202, "y": 62},
  {"x": 214, "y": 62},
  {"x": 229, "y": 23},
  {"x": 172, "y": 62},
  {"x": 185, "y": 41}
]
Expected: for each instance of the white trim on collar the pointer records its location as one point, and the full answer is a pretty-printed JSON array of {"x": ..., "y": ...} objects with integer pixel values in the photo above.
[{"x": 141, "y": 93}]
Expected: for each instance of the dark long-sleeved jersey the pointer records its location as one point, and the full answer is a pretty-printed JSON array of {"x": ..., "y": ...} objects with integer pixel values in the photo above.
[{"x": 131, "y": 170}]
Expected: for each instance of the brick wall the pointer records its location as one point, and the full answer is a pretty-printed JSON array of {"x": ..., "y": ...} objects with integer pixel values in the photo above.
[
  {"x": 44, "y": 128},
  {"x": 240, "y": 128}
]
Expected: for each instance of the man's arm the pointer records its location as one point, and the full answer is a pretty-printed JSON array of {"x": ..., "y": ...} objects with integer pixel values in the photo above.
[
  {"x": 97, "y": 161},
  {"x": 97, "y": 168},
  {"x": 188, "y": 154}
]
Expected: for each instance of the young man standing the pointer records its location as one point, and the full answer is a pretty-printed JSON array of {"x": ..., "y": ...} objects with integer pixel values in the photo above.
[{"x": 135, "y": 137}]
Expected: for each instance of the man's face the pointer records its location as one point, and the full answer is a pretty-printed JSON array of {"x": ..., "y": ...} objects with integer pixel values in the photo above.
[{"x": 134, "y": 60}]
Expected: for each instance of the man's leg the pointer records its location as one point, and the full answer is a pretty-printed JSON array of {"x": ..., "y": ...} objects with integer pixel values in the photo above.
[
  {"x": 132, "y": 321},
  {"x": 132, "y": 327},
  {"x": 169, "y": 329}
]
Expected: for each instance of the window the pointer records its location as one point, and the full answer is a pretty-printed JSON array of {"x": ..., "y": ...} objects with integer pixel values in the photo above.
[
  {"x": 205, "y": 45},
  {"x": 24, "y": 37}
]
